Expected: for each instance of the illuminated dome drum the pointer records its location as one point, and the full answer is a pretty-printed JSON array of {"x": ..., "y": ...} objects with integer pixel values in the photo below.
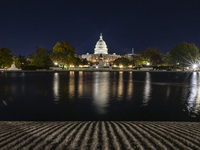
[{"x": 101, "y": 47}]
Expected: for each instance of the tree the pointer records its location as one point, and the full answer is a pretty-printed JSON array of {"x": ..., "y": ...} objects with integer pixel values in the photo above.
[
  {"x": 80, "y": 61},
  {"x": 21, "y": 61},
  {"x": 77, "y": 62},
  {"x": 41, "y": 58},
  {"x": 63, "y": 53},
  {"x": 137, "y": 60},
  {"x": 84, "y": 62},
  {"x": 151, "y": 55},
  {"x": 183, "y": 54},
  {"x": 6, "y": 59},
  {"x": 121, "y": 61}
]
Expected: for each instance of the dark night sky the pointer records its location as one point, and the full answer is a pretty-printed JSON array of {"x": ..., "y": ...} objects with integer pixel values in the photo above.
[{"x": 138, "y": 24}]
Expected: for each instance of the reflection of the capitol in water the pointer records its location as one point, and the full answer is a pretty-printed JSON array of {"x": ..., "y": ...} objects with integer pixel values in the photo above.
[{"x": 100, "y": 93}]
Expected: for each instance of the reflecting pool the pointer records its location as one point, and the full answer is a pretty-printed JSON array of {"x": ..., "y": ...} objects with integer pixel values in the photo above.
[{"x": 82, "y": 95}]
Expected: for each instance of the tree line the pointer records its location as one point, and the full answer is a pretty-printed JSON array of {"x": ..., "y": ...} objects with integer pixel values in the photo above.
[
  {"x": 180, "y": 56},
  {"x": 63, "y": 54}
]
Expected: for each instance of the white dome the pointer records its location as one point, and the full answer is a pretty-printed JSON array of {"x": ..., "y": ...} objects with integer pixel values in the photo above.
[{"x": 101, "y": 47}]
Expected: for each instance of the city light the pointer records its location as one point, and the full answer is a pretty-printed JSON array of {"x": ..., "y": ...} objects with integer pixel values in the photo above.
[
  {"x": 194, "y": 66},
  {"x": 56, "y": 63},
  {"x": 148, "y": 63},
  {"x": 130, "y": 66}
]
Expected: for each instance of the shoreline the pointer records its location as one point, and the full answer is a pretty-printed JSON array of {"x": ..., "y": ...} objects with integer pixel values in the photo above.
[{"x": 96, "y": 70}]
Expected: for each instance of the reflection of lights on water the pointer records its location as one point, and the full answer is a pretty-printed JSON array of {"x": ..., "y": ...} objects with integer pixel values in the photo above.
[
  {"x": 114, "y": 84},
  {"x": 101, "y": 86},
  {"x": 80, "y": 83},
  {"x": 56, "y": 86},
  {"x": 120, "y": 85},
  {"x": 71, "y": 84},
  {"x": 130, "y": 86},
  {"x": 168, "y": 91},
  {"x": 22, "y": 75},
  {"x": 194, "y": 97},
  {"x": 147, "y": 89},
  {"x": 4, "y": 103}
]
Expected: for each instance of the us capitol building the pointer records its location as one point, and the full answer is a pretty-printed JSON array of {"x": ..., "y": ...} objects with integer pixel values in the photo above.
[{"x": 100, "y": 54}]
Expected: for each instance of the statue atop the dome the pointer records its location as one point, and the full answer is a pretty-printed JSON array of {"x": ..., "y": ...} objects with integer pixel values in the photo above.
[
  {"x": 101, "y": 37},
  {"x": 101, "y": 47}
]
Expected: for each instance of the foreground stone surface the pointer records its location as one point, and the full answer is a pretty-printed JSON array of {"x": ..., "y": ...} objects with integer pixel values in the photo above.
[{"x": 99, "y": 135}]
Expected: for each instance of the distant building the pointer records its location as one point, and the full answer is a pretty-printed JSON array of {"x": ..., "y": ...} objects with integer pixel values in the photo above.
[
  {"x": 101, "y": 53},
  {"x": 130, "y": 56}
]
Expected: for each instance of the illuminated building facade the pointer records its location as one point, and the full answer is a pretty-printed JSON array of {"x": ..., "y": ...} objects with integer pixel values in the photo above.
[{"x": 101, "y": 53}]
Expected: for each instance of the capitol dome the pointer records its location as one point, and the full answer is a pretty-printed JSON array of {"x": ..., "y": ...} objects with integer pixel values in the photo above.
[{"x": 101, "y": 47}]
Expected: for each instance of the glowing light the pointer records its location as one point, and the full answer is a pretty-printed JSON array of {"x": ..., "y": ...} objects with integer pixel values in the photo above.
[
  {"x": 130, "y": 66},
  {"x": 80, "y": 66},
  {"x": 120, "y": 66},
  {"x": 114, "y": 65},
  {"x": 71, "y": 66},
  {"x": 56, "y": 63},
  {"x": 148, "y": 63},
  {"x": 194, "y": 66},
  {"x": 97, "y": 67}
]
